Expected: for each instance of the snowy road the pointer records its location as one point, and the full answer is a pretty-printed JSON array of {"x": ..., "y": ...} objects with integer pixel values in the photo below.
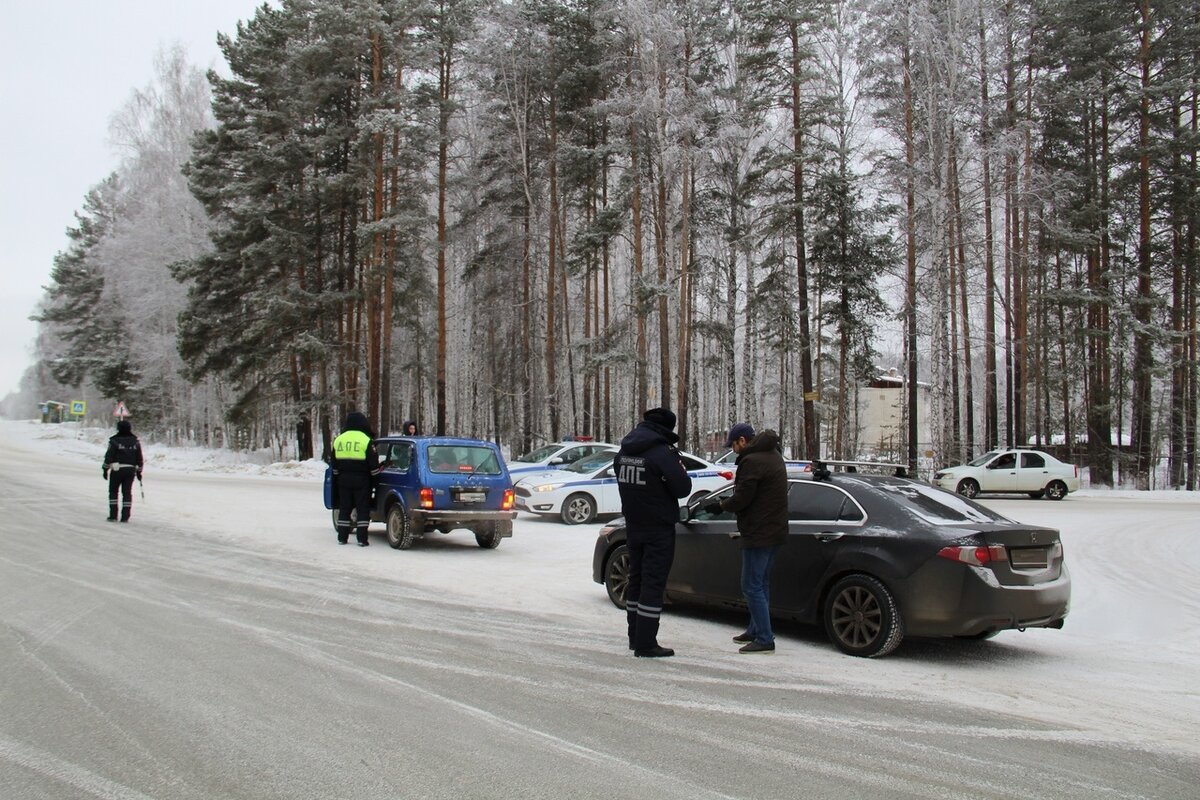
[{"x": 221, "y": 645}]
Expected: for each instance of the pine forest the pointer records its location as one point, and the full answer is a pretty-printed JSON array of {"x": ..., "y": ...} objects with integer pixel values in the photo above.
[{"x": 529, "y": 219}]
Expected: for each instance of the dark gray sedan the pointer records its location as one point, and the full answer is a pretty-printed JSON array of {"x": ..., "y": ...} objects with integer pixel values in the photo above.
[{"x": 873, "y": 559}]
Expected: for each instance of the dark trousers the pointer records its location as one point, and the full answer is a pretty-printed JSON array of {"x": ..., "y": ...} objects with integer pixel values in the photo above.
[
  {"x": 650, "y": 556},
  {"x": 120, "y": 480},
  {"x": 354, "y": 494}
]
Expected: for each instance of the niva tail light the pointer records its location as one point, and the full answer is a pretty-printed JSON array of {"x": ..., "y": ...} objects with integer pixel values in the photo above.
[
  {"x": 507, "y": 503},
  {"x": 426, "y": 497}
]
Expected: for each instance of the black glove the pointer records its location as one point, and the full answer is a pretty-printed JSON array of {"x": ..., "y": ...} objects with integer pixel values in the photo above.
[
  {"x": 139, "y": 474},
  {"x": 104, "y": 472},
  {"x": 714, "y": 508}
]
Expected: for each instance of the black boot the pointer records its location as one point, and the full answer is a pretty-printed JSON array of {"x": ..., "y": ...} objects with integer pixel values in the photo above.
[
  {"x": 646, "y": 640},
  {"x": 631, "y": 618}
]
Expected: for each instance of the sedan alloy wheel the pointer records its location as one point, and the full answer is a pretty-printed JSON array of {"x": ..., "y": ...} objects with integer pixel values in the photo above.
[
  {"x": 578, "y": 509},
  {"x": 616, "y": 575},
  {"x": 861, "y": 617}
]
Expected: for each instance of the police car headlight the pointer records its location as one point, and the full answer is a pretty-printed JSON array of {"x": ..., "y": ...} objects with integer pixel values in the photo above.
[{"x": 547, "y": 487}]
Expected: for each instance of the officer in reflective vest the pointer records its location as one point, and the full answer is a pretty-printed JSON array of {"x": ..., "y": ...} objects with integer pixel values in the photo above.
[{"x": 355, "y": 469}]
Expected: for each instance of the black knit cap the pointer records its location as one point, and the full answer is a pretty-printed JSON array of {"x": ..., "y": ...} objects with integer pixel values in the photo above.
[
  {"x": 124, "y": 427},
  {"x": 661, "y": 416}
]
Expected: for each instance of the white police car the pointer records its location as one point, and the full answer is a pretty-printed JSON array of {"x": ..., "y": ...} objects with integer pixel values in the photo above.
[
  {"x": 559, "y": 455},
  {"x": 588, "y": 488},
  {"x": 795, "y": 468}
]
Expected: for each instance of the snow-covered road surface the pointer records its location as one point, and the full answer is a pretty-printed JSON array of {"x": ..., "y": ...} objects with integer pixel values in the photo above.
[{"x": 221, "y": 645}]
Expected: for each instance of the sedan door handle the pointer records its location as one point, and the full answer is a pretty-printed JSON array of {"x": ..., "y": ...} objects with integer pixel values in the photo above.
[{"x": 828, "y": 536}]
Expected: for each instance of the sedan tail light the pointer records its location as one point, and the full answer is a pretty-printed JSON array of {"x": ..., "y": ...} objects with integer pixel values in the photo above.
[
  {"x": 507, "y": 503},
  {"x": 426, "y": 497},
  {"x": 975, "y": 555}
]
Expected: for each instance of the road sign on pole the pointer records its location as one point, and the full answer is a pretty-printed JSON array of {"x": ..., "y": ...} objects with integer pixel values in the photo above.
[
  {"x": 78, "y": 408},
  {"x": 120, "y": 412}
]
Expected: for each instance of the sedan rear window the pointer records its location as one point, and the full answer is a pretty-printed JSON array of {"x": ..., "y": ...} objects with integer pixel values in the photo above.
[{"x": 936, "y": 506}]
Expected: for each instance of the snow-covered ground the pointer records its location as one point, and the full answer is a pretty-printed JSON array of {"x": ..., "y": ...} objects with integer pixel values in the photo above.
[{"x": 1122, "y": 671}]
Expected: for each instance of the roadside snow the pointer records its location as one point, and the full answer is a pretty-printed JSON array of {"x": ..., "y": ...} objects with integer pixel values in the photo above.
[{"x": 1123, "y": 670}]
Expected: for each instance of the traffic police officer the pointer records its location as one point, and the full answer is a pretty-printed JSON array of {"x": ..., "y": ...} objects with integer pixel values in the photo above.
[
  {"x": 122, "y": 463},
  {"x": 355, "y": 471},
  {"x": 651, "y": 480}
]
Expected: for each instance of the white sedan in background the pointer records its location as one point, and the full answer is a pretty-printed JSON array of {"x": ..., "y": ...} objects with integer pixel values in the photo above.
[
  {"x": 1016, "y": 471},
  {"x": 588, "y": 488}
]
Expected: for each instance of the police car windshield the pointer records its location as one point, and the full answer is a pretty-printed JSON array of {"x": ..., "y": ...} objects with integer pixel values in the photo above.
[
  {"x": 592, "y": 463},
  {"x": 541, "y": 454}
]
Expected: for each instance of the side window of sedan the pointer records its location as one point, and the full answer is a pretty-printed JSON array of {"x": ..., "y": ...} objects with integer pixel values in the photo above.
[
  {"x": 815, "y": 502},
  {"x": 1032, "y": 461},
  {"x": 1006, "y": 461}
]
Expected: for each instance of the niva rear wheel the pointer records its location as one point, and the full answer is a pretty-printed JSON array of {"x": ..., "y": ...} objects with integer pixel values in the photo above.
[{"x": 399, "y": 528}]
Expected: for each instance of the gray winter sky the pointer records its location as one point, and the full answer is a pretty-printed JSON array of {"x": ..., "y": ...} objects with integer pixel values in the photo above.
[{"x": 65, "y": 67}]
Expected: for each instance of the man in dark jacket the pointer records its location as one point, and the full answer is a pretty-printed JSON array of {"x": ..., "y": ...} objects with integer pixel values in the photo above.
[
  {"x": 355, "y": 470},
  {"x": 651, "y": 480},
  {"x": 122, "y": 463},
  {"x": 760, "y": 500}
]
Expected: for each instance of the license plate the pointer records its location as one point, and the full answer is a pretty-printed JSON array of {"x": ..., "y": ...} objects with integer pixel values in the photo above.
[
  {"x": 1027, "y": 556},
  {"x": 471, "y": 497}
]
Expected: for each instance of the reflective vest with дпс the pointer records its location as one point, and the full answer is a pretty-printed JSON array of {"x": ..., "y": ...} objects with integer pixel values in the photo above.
[{"x": 351, "y": 446}]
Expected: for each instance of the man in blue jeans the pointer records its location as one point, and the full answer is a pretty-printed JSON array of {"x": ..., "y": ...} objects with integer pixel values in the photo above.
[{"x": 760, "y": 500}]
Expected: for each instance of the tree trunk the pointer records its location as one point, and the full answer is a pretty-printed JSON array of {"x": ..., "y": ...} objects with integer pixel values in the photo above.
[
  {"x": 1143, "y": 352},
  {"x": 812, "y": 436}
]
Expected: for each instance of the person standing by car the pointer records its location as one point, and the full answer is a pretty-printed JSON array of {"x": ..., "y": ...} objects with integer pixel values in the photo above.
[
  {"x": 355, "y": 472},
  {"x": 122, "y": 463},
  {"x": 760, "y": 500},
  {"x": 651, "y": 479}
]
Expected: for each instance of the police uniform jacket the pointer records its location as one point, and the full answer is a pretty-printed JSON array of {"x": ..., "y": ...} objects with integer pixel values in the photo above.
[
  {"x": 650, "y": 477},
  {"x": 760, "y": 493},
  {"x": 123, "y": 449}
]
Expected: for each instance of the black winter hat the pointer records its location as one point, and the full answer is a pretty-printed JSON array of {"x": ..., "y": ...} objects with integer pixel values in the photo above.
[
  {"x": 661, "y": 416},
  {"x": 124, "y": 427},
  {"x": 357, "y": 421}
]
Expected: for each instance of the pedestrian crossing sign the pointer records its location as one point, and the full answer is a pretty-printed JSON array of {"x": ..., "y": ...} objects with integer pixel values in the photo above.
[
  {"x": 78, "y": 408},
  {"x": 120, "y": 411}
]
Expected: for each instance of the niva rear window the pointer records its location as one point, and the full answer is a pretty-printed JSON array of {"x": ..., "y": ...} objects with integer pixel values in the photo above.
[{"x": 463, "y": 459}]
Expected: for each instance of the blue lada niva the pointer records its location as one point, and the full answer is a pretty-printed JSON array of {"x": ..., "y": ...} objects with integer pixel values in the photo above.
[{"x": 438, "y": 483}]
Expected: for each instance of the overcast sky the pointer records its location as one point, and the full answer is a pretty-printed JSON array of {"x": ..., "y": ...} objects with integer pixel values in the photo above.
[{"x": 66, "y": 66}]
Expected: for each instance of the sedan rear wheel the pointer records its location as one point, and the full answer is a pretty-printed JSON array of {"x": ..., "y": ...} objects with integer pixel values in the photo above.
[
  {"x": 969, "y": 488},
  {"x": 1056, "y": 490},
  {"x": 861, "y": 617},
  {"x": 616, "y": 575},
  {"x": 578, "y": 509}
]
